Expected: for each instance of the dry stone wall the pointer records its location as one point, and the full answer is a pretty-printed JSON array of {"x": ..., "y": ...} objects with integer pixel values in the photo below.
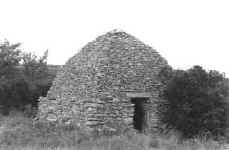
[{"x": 91, "y": 88}]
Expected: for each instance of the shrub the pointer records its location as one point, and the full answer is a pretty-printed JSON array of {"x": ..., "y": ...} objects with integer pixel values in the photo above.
[{"x": 195, "y": 103}]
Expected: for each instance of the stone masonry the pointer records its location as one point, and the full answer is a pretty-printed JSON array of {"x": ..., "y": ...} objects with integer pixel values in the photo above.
[{"x": 104, "y": 82}]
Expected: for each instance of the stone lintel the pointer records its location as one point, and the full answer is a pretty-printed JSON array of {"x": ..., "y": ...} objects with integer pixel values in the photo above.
[{"x": 138, "y": 94}]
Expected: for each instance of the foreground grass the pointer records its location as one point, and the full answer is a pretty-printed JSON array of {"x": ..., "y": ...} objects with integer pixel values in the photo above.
[{"x": 19, "y": 133}]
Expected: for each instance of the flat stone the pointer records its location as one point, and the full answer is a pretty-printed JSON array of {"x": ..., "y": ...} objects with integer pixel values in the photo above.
[{"x": 51, "y": 117}]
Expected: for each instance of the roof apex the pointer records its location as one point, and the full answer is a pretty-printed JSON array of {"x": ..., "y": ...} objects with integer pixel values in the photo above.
[
  {"x": 116, "y": 30},
  {"x": 116, "y": 33}
]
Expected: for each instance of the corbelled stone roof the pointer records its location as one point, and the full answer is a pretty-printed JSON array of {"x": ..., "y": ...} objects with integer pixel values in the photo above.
[{"x": 113, "y": 60}]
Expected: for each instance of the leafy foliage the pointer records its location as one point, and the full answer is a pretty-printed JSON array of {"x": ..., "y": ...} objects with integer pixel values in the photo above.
[
  {"x": 9, "y": 59},
  {"x": 23, "y": 78},
  {"x": 195, "y": 102},
  {"x": 10, "y": 78},
  {"x": 36, "y": 75}
]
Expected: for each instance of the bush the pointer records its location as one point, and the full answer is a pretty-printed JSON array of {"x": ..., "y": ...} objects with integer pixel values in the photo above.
[{"x": 195, "y": 103}]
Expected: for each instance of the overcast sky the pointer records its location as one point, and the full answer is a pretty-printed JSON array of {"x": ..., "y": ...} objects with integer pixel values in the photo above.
[{"x": 186, "y": 33}]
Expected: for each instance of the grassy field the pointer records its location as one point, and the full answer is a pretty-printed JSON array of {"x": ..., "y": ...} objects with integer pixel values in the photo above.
[{"x": 20, "y": 133}]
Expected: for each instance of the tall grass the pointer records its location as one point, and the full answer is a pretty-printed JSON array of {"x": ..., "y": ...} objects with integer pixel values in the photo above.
[{"x": 20, "y": 133}]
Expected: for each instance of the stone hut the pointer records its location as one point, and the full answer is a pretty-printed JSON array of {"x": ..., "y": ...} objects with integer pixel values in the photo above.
[{"x": 112, "y": 80}]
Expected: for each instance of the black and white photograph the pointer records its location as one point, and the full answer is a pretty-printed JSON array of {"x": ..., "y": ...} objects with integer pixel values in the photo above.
[{"x": 114, "y": 75}]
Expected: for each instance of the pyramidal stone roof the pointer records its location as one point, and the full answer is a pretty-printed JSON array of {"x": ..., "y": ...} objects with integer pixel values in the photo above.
[{"x": 116, "y": 54}]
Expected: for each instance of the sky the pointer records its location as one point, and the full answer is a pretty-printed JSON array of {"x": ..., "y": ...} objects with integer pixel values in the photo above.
[{"x": 185, "y": 32}]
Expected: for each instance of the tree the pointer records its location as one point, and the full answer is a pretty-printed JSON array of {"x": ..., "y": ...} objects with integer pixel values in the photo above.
[
  {"x": 34, "y": 67},
  {"x": 23, "y": 78},
  {"x": 36, "y": 75},
  {"x": 195, "y": 102},
  {"x": 9, "y": 59},
  {"x": 10, "y": 76}
]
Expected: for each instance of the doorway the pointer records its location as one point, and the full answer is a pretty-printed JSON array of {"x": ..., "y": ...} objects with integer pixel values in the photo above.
[{"x": 139, "y": 119}]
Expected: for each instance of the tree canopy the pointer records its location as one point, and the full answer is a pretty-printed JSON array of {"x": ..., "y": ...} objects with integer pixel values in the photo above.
[{"x": 23, "y": 77}]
